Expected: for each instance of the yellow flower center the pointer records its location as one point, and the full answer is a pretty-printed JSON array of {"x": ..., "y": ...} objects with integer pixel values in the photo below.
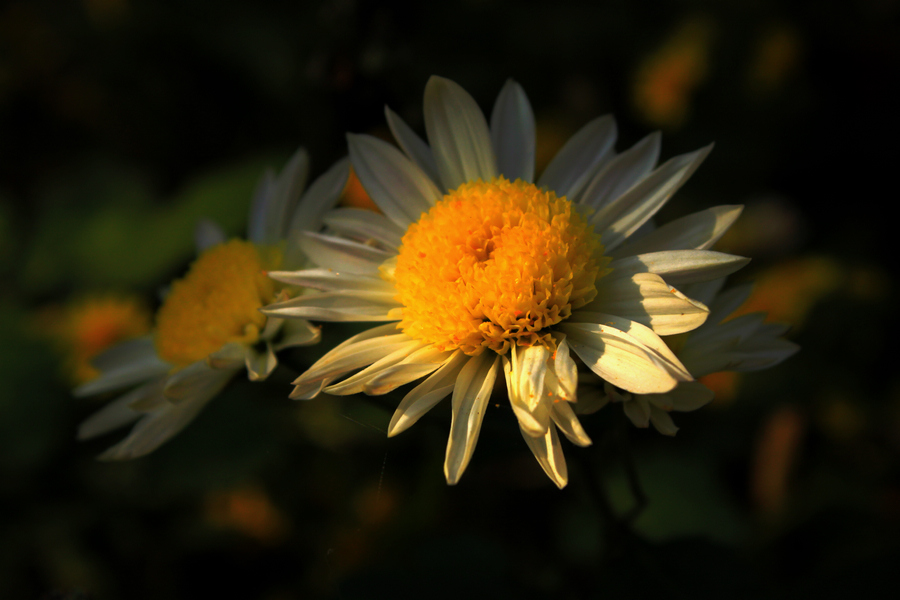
[
  {"x": 216, "y": 303},
  {"x": 495, "y": 264}
]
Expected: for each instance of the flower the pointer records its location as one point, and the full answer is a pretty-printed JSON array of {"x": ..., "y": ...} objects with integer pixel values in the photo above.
[
  {"x": 209, "y": 326},
  {"x": 477, "y": 268},
  {"x": 725, "y": 342}
]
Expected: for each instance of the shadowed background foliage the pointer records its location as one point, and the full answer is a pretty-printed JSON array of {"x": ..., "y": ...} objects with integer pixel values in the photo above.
[{"x": 124, "y": 122}]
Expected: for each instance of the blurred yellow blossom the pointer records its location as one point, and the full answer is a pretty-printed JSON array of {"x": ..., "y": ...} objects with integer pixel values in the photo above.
[{"x": 666, "y": 78}]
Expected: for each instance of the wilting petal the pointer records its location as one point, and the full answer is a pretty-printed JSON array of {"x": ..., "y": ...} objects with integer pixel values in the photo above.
[
  {"x": 470, "y": 398},
  {"x": 548, "y": 452}
]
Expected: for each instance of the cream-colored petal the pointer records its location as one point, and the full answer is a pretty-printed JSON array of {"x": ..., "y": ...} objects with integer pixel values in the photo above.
[
  {"x": 681, "y": 267},
  {"x": 360, "y": 381},
  {"x": 470, "y": 398},
  {"x": 414, "y": 146},
  {"x": 167, "y": 419},
  {"x": 565, "y": 369},
  {"x": 548, "y": 452},
  {"x": 622, "y": 173},
  {"x": 192, "y": 380},
  {"x": 697, "y": 231},
  {"x": 565, "y": 418},
  {"x": 427, "y": 394},
  {"x": 342, "y": 255},
  {"x": 525, "y": 370},
  {"x": 647, "y": 299},
  {"x": 328, "y": 280},
  {"x": 343, "y": 306},
  {"x": 399, "y": 188},
  {"x": 417, "y": 365},
  {"x": 579, "y": 159},
  {"x": 623, "y": 216},
  {"x": 688, "y": 396},
  {"x": 458, "y": 133},
  {"x": 271, "y": 208},
  {"x": 512, "y": 133},
  {"x": 121, "y": 411},
  {"x": 260, "y": 364},
  {"x": 619, "y": 359},
  {"x": 359, "y": 351},
  {"x": 728, "y": 301},
  {"x": 363, "y": 225},
  {"x": 638, "y": 411}
]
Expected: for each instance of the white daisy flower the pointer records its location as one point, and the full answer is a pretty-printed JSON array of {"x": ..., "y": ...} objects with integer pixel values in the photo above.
[
  {"x": 209, "y": 326},
  {"x": 478, "y": 269},
  {"x": 744, "y": 343}
]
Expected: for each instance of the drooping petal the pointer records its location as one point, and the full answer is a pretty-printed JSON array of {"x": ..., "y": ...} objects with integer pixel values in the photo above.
[
  {"x": 399, "y": 188},
  {"x": 121, "y": 411},
  {"x": 548, "y": 452},
  {"x": 360, "y": 381},
  {"x": 512, "y": 133},
  {"x": 576, "y": 163},
  {"x": 621, "y": 173},
  {"x": 662, "y": 422},
  {"x": 297, "y": 332},
  {"x": 414, "y": 146},
  {"x": 567, "y": 421},
  {"x": 193, "y": 380},
  {"x": 458, "y": 134},
  {"x": 623, "y": 216},
  {"x": 525, "y": 370},
  {"x": 637, "y": 410},
  {"x": 427, "y": 394},
  {"x": 415, "y": 366},
  {"x": 697, "y": 231},
  {"x": 123, "y": 365},
  {"x": 470, "y": 398},
  {"x": 260, "y": 364}
]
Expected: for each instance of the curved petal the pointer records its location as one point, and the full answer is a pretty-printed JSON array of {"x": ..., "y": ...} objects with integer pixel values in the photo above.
[
  {"x": 681, "y": 267},
  {"x": 512, "y": 133},
  {"x": 525, "y": 370},
  {"x": 548, "y": 452},
  {"x": 662, "y": 421},
  {"x": 399, "y": 188},
  {"x": 697, "y": 231},
  {"x": 470, "y": 398},
  {"x": 415, "y": 366},
  {"x": 260, "y": 364},
  {"x": 121, "y": 411},
  {"x": 124, "y": 365},
  {"x": 576, "y": 163},
  {"x": 342, "y": 255},
  {"x": 343, "y": 306},
  {"x": 565, "y": 418},
  {"x": 458, "y": 134},
  {"x": 360, "y": 381},
  {"x": 297, "y": 332},
  {"x": 414, "y": 146},
  {"x": 363, "y": 225},
  {"x": 321, "y": 197},
  {"x": 270, "y": 211},
  {"x": 427, "y": 394}
]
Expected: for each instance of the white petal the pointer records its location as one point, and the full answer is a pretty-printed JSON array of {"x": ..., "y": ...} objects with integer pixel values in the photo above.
[
  {"x": 399, "y": 188},
  {"x": 512, "y": 133},
  {"x": 359, "y": 351},
  {"x": 621, "y": 173},
  {"x": 645, "y": 298},
  {"x": 363, "y": 225},
  {"x": 622, "y": 217},
  {"x": 342, "y": 255},
  {"x": 208, "y": 234},
  {"x": 124, "y": 365},
  {"x": 470, "y": 398},
  {"x": 331, "y": 281},
  {"x": 619, "y": 359},
  {"x": 458, "y": 134},
  {"x": 687, "y": 396},
  {"x": 567, "y": 421},
  {"x": 548, "y": 452},
  {"x": 662, "y": 421},
  {"x": 681, "y": 267},
  {"x": 417, "y": 365},
  {"x": 414, "y": 146},
  {"x": 704, "y": 292},
  {"x": 729, "y": 301},
  {"x": 121, "y": 411},
  {"x": 160, "y": 424},
  {"x": 343, "y": 306},
  {"x": 638, "y": 411},
  {"x": 360, "y": 381},
  {"x": 525, "y": 370},
  {"x": 427, "y": 394},
  {"x": 698, "y": 231},
  {"x": 193, "y": 380},
  {"x": 260, "y": 364},
  {"x": 271, "y": 215},
  {"x": 576, "y": 163},
  {"x": 319, "y": 199},
  {"x": 566, "y": 370},
  {"x": 297, "y": 332}
]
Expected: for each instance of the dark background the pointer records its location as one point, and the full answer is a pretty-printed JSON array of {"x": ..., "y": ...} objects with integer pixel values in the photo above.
[{"x": 122, "y": 122}]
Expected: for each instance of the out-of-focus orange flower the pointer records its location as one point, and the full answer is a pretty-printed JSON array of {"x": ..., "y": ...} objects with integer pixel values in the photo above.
[
  {"x": 724, "y": 385},
  {"x": 776, "y": 454},
  {"x": 248, "y": 510},
  {"x": 86, "y": 327},
  {"x": 788, "y": 291},
  {"x": 776, "y": 57},
  {"x": 665, "y": 79}
]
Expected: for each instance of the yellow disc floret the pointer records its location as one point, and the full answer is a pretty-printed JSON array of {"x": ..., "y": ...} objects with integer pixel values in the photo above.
[
  {"x": 216, "y": 303},
  {"x": 494, "y": 264}
]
